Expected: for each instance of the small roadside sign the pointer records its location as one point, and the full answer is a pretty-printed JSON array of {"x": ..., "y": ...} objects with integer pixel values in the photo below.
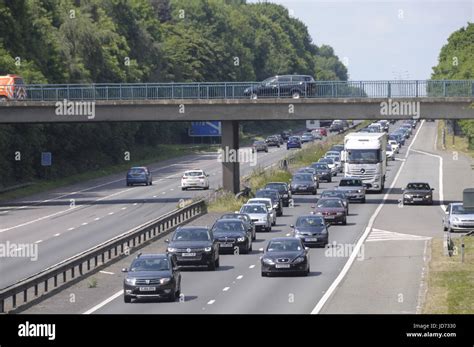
[{"x": 46, "y": 158}]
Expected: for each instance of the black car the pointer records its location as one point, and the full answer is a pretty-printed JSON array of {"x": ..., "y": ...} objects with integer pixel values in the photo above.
[
  {"x": 275, "y": 196},
  {"x": 194, "y": 246},
  {"x": 336, "y": 128},
  {"x": 232, "y": 235},
  {"x": 244, "y": 218},
  {"x": 293, "y": 86},
  {"x": 285, "y": 135},
  {"x": 152, "y": 276},
  {"x": 336, "y": 194},
  {"x": 303, "y": 183},
  {"x": 283, "y": 190},
  {"x": 272, "y": 141},
  {"x": 285, "y": 255},
  {"x": 311, "y": 171},
  {"x": 312, "y": 230},
  {"x": 323, "y": 171},
  {"x": 280, "y": 138},
  {"x": 418, "y": 193}
]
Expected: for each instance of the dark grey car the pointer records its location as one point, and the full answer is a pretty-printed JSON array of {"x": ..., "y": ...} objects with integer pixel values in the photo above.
[
  {"x": 303, "y": 183},
  {"x": 418, "y": 193},
  {"x": 312, "y": 230}
]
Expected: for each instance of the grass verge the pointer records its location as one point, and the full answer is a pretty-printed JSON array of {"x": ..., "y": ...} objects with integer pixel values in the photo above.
[
  {"x": 150, "y": 155},
  {"x": 453, "y": 142},
  {"x": 450, "y": 282}
]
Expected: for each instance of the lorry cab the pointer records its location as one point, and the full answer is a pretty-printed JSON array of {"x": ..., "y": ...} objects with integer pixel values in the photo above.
[{"x": 12, "y": 88}]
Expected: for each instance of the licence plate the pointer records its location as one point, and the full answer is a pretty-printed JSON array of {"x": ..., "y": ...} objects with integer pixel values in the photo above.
[
  {"x": 226, "y": 244},
  {"x": 301, "y": 188},
  {"x": 329, "y": 217},
  {"x": 147, "y": 289},
  {"x": 309, "y": 239},
  {"x": 189, "y": 254},
  {"x": 417, "y": 199},
  {"x": 282, "y": 266}
]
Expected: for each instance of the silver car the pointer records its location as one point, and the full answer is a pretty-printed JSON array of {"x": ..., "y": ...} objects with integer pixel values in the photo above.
[
  {"x": 457, "y": 218},
  {"x": 353, "y": 187},
  {"x": 259, "y": 214},
  {"x": 268, "y": 203}
]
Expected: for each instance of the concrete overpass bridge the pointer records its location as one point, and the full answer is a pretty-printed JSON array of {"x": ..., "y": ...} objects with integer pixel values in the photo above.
[{"x": 231, "y": 102}]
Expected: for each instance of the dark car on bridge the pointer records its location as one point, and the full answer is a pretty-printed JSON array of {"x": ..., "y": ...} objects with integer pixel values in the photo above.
[
  {"x": 232, "y": 235},
  {"x": 152, "y": 276},
  {"x": 194, "y": 246},
  {"x": 332, "y": 210},
  {"x": 323, "y": 171},
  {"x": 244, "y": 218},
  {"x": 303, "y": 183},
  {"x": 294, "y": 86},
  {"x": 293, "y": 142},
  {"x": 418, "y": 193},
  {"x": 285, "y": 255},
  {"x": 312, "y": 230},
  {"x": 272, "y": 141},
  {"x": 275, "y": 196},
  {"x": 283, "y": 190},
  {"x": 139, "y": 175}
]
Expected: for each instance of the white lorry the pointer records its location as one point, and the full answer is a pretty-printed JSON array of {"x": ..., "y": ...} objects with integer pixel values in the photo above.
[{"x": 365, "y": 158}]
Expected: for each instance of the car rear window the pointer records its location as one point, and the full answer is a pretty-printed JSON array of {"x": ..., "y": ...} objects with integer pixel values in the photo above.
[
  {"x": 136, "y": 171},
  {"x": 193, "y": 173}
]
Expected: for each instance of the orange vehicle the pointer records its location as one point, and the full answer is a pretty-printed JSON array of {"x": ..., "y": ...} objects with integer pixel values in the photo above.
[{"x": 12, "y": 88}]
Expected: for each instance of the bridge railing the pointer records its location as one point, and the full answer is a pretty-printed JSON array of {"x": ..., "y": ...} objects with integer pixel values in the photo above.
[{"x": 242, "y": 90}]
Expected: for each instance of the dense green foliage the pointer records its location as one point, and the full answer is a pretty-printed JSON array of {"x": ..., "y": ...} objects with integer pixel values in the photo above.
[
  {"x": 456, "y": 62},
  {"x": 84, "y": 41}
]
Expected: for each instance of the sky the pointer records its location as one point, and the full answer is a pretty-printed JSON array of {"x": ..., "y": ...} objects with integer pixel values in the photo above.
[{"x": 380, "y": 40}]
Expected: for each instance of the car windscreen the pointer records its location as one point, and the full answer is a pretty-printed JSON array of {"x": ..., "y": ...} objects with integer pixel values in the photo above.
[
  {"x": 257, "y": 201},
  {"x": 284, "y": 246},
  {"x": 320, "y": 166},
  {"x": 329, "y": 203},
  {"x": 350, "y": 183},
  {"x": 253, "y": 209},
  {"x": 303, "y": 222},
  {"x": 277, "y": 186},
  {"x": 302, "y": 178},
  {"x": 370, "y": 156},
  {"x": 150, "y": 264},
  {"x": 223, "y": 226},
  {"x": 267, "y": 194},
  {"x": 191, "y": 235},
  {"x": 418, "y": 186},
  {"x": 333, "y": 193},
  {"x": 458, "y": 209}
]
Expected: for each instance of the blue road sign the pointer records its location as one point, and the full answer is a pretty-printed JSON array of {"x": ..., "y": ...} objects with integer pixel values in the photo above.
[
  {"x": 205, "y": 129},
  {"x": 46, "y": 158}
]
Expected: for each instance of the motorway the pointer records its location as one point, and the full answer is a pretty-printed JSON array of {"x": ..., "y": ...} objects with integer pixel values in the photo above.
[
  {"x": 67, "y": 221},
  {"x": 385, "y": 276}
]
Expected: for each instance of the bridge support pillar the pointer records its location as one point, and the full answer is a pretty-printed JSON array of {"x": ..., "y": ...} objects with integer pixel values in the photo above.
[{"x": 230, "y": 163}]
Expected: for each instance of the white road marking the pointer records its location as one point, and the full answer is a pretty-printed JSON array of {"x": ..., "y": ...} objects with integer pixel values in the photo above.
[
  {"x": 39, "y": 241},
  {"x": 85, "y": 223},
  {"x": 163, "y": 193},
  {"x": 154, "y": 196},
  {"x": 111, "y": 213},
  {"x": 172, "y": 189},
  {"x": 72, "y": 228},
  {"x": 107, "y": 272},
  {"x": 251, "y": 266},
  {"x": 135, "y": 204},
  {"x": 362, "y": 239},
  {"x": 288, "y": 234},
  {"x": 384, "y": 235},
  {"x": 96, "y": 219},
  {"x": 240, "y": 277},
  {"x": 56, "y": 235},
  {"x": 123, "y": 208},
  {"x": 103, "y": 303},
  {"x": 210, "y": 302},
  {"x": 260, "y": 249},
  {"x": 225, "y": 289}
]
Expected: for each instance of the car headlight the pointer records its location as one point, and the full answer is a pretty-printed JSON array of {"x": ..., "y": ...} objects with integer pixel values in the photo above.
[
  {"x": 285, "y": 195},
  {"x": 165, "y": 280},
  {"x": 130, "y": 281},
  {"x": 297, "y": 231},
  {"x": 268, "y": 261},
  {"x": 359, "y": 191},
  {"x": 456, "y": 219},
  {"x": 275, "y": 206},
  {"x": 319, "y": 213},
  {"x": 207, "y": 249},
  {"x": 241, "y": 239},
  {"x": 408, "y": 196},
  {"x": 427, "y": 196},
  {"x": 298, "y": 260},
  {"x": 172, "y": 249},
  {"x": 339, "y": 213}
]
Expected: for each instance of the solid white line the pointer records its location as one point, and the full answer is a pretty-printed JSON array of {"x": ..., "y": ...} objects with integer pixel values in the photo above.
[
  {"x": 361, "y": 240},
  {"x": 210, "y": 302},
  {"x": 105, "y": 302},
  {"x": 225, "y": 289},
  {"x": 107, "y": 272}
]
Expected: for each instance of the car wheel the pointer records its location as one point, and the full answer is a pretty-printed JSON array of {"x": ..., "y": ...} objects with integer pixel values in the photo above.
[
  {"x": 217, "y": 263},
  {"x": 151, "y": 183},
  {"x": 363, "y": 200},
  {"x": 344, "y": 222},
  {"x": 206, "y": 188},
  {"x": 127, "y": 299},
  {"x": 268, "y": 229},
  {"x": 274, "y": 223},
  {"x": 330, "y": 180},
  {"x": 212, "y": 266},
  {"x": 266, "y": 151},
  {"x": 128, "y": 184},
  {"x": 314, "y": 192},
  {"x": 264, "y": 274},
  {"x": 254, "y": 236}
]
